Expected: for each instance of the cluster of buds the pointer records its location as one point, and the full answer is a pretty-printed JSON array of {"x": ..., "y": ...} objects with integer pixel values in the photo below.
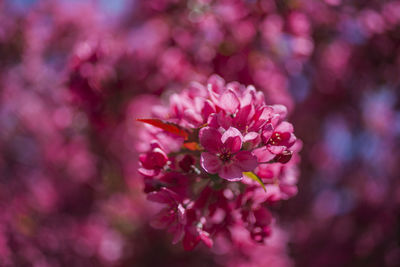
[{"x": 218, "y": 156}]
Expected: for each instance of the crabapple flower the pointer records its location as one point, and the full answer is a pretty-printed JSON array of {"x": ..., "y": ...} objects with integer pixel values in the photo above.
[
  {"x": 223, "y": 154},
  {"x": 216, "y": 158}
]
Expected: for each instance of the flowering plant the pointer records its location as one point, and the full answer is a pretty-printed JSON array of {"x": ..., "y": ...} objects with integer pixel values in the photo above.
[{"x": 217, "y": 156}]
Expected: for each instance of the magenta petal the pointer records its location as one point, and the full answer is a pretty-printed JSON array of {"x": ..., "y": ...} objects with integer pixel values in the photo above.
[
  {"x": 231, "y": 132},
  {"x": 229, "y": 101},
  {"x": 246, "y": 161},
  {"x": 147, "y": 172},
  {"x": 291, "y": 140},
  {"x": 284, "y": 127},
  {"x": 224, "y": 120},
  {"x": 231, "y": 172},
  {"x": 233, "y": 144},
  {"x": 192, "y": 116},
  {"x": 212, "y": 121},
  {"x": 281, "y": 110},
  {"x": 216, "y": 82},
  {"x": 164, "y": 196},
  {"x": 207, "y": 109},
  {"x": 210, "y": 162},
  {"x": 210, "y": 139},
  {"x": 232, "y": 139},
  {"x": 263, "y": 216},
  {"x": 252, "y": 138},
  {"x": 178, "y": 233},
  {"x": 205, "y": 237},
  {"x": 242, "y": 117},
  {"x": 163, "y": 219},
  {"x": 190, "y": 240},
  {"x": 261, "y": 117},
  {"x": 263, "y": 154},
  {"x": 276, "y": 149},
  {"x": 267, "y": 132}
]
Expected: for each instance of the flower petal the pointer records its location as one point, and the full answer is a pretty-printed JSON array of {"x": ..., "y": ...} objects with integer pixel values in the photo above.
[
  {"x": 164, "y": 196},
  {"x": 284, "y": 127},
  {"x": 252, "y": 139},
  {"x": 229, "y": 101},
  {"x": 231, "y": 172},
  {"x": 232, "y": 139},
  {"x": 210, "y": 139},
  {"x": 263, "y": 154},
  {"x": 242, "y": 117},
  {"x": 210, "y": 162},
  {"x": 246, "y": 161},
  {"x": 163, "y": 219},
  {"x": 208, "y": 108},
  {"x": 267, "y": 132}
]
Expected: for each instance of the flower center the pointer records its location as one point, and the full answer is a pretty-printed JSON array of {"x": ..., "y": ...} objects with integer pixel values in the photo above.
[
  {"x": 278, "y": 138},
  {"x": 225, "y": 157}
]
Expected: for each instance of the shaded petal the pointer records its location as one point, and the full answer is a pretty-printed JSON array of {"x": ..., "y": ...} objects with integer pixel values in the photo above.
[
  {"x": 232, "y": 139},
  {"x": 224, "y": 120},
  {"x": 178, "y": 233},
  {"x": 267, "y": 132},
  {"x": 205, "y": 237},
  {"x": 210, "y": 162},
  {"x": 281, "y": 110},
  {"x": 207, "y": 109},
  {"x": 261, "y": 117},
  {"x": 231, "y": 132},
  {"x": 263, "y": 154},
  {"x": 229, "y": 101},
  {"x": 163, "y": 219},
  {"x": 210, "y": 139},
  {"x": 192, "y": 116},
  {"x": 147, "y": 172},
  {"x": 216, "y": 82},
  {"x": 284, "y": 127},
  {"x": 212, "y": 121},
  {"x": 263, "y": 216},
  {"x": 164, "y": 196},
  {"x": 276, "y": 149},
  {"x": 242, "y": 117},
  {"x": 190, "y": 240},
  {"x": 231, "y": 172},
  {"x": 153, "y": 159},
  {"x": 291, "y": 141},
  {"x": 246, "y": 161},
  {"x": 252, "y": 138},
  {"x": 265, "y": 172}
]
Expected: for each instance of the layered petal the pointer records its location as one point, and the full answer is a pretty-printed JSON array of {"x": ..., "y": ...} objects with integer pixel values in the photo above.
[
  {"x": 210, "y": 162},
  {"x": 228, "y": 101},
  {"x": 210, "y": 139},
  {"x": 231, "y": 172},
  {"x": 232, "y": 140},
  {"x": 246, "y": 161}
]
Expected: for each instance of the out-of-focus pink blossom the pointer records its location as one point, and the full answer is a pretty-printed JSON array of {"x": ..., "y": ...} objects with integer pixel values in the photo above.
[{"x": 219, "y": 132}]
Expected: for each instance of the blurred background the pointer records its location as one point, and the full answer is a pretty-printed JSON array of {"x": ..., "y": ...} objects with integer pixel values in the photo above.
[{"x": 75, "y": 74}]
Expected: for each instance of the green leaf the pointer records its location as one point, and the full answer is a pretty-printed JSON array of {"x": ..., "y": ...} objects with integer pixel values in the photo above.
[{"x": 254, "y": 177}]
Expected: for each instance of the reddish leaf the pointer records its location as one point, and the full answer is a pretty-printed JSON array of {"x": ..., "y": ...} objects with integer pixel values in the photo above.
[
  {"x": 167, "y": 126},
  {"x": 192, "y": 146}
]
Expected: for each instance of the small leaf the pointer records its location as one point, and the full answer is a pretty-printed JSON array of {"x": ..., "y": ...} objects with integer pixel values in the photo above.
[
  {"x": 167, "y": 126},
  {"x": 254, "y": 177}
]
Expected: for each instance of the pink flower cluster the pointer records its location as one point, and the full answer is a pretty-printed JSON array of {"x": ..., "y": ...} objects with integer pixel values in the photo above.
[{"x": 216, "y": 159}]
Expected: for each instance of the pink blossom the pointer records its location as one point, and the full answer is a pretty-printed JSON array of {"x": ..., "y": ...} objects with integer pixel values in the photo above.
[
  {"x": 223, "y": 154},
  {"x": 173, "y": 216},
  {"x": 216, "y": 133}
]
